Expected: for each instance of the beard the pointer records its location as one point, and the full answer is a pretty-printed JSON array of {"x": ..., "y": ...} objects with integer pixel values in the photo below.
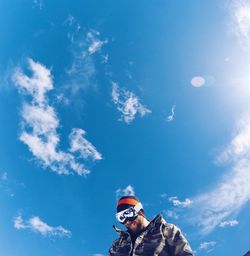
[{"x": 136, "y": 228}]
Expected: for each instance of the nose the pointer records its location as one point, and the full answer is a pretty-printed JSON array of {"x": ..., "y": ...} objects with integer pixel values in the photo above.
[{"x": 128, "y": 223}]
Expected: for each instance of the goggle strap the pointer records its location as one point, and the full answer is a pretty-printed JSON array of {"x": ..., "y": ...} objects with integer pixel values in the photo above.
[{"x": 138, "y": 207}]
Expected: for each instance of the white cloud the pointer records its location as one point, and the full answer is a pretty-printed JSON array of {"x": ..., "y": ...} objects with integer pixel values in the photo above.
[
  {"x": 74, "y": 27},
  {"x": 80, "y": 144},
  {"x": 37, "y": 225},
  {"x": 176, "y": 202},
  {"x": 233, "y": 191},
  {"x": 37, "y": 85},
  {"x": 170, "y": 118},
  {"x": 18, "y": 222},
  {"x": 127, "y": 103},
  {"x": 230, "y": 223},
  {"x": 198, "y": 81},
  {"x": 4, "y": 176},
  {"x": 164, "y": 195},
  {"x": 128, "y": 191},
  {"x": 105, "y": 58},
  {"x": 241, "y": 19},
  {"x": 208, "y": 246},
  {"x": 95, "y": 44},
  {"x": 239, "y": 147},
  {"x": 62, "y": 99},
  {"x": 40, "y": 122},
  {"x": 171, "y": 214},
  {"x": 82, "y": 69},
  {"x": 69, "y": 20},
  {"x": 9, "y": 185},
  {"x": 38, "y": 4}
]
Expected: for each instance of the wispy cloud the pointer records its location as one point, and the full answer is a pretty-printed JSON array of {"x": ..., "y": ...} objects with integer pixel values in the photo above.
[
  {"x": 207, "y": 246},
  {"x": 241, "y": 19},
  {"x": 74, "y": 26},
  {"x": 230, "y": 223},
  {"x": 40, "y": 122},
  {"x": 233, "y": 191},
  {"x": 5, "y": 185},
  {"x": 82, "y": 70},
  {"x": 79, "y": 144},
  {"x": 69, "y": 20},
  {"x": 164, "y": 195},
  {"x": 38, "y": 4},
  {"x": 239, "y": 147},
  {"x": 171, "y": 214},
  {"x": 9, "y": 185},
  {"x": 170, "y": 118},
  {"x": 35, "y": 224},
  {"x": 37, "y": 85},
  {"x": 176, "y": 202},
  {"x": 128, "y": 191},
  {"x": 95, "y": 44},
  {"x": 105, "y": 58},
  {"x": 127, "y": 103},
  {"x": 3, "y": 176}
]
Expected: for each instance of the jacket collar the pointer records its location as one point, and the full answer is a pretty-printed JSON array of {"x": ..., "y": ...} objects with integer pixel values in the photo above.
[{"x": 120, "y": 231}]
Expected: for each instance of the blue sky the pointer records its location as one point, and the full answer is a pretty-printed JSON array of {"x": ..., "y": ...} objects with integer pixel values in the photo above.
[{"x": 100, "y": 99}]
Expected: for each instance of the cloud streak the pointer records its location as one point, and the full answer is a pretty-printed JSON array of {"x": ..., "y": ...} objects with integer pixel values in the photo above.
[
  {"x": 81, "y": 72},
  {"x": 241, "y": 19},
  {"x": 4, "y": 176},
  {"x": 128, "y": 191},
  {"x": 207, "y": 246},
  {"x": 171, "y": 214},
  {"x": 95, "y": 44},
  {"x": 233, "y": 191},
  {"x": 35, "y": 224},
  {"x": 170, "y": 118},
  {"x": 127, "y": 103},
  {"x": 176, "y": 202},
  {"x": 230, "y": 223},
  {"x": 79, "y": 144},
  {"x": 38, "y": 4},
  {"x": 40, "y": 122}
]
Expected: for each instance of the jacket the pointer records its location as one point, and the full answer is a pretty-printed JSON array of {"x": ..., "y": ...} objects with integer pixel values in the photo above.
[{"x": 158, "y": 239}]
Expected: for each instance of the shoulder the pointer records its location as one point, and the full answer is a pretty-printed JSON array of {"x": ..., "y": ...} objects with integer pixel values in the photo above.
[
  {"x": 172, "y": 233},
  {"x": 174, "y": 237},
  {"x": 119, "y": 241},
  {"x": 120, "y": 245},
  {"x": 115, "y": 245},
  {"x": 116, "y": 242}
]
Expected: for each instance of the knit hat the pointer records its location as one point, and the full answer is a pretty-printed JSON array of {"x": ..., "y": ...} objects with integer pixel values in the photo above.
[{"x": 125, "y": 202}]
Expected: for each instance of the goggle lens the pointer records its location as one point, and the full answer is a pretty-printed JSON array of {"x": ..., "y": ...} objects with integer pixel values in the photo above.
[{"x": 129, "y": 214}]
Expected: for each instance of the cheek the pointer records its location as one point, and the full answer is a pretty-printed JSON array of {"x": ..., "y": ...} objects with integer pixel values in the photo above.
[
  {"x": 131, "y": 225},
  {"x": 135, "y": 225}
]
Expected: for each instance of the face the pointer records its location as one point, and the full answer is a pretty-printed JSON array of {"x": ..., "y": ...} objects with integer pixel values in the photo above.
[{"x": 136, "y": 225}]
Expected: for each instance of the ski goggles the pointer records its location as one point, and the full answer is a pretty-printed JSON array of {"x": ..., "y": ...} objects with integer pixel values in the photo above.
[{"x": 129, "y": 214}]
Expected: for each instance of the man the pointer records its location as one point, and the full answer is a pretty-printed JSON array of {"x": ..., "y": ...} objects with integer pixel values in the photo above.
[{"x": 144, "y": 238}]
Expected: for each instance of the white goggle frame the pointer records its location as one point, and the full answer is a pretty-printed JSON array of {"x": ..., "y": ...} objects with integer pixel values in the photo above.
[{"x": 131, "y": 212}]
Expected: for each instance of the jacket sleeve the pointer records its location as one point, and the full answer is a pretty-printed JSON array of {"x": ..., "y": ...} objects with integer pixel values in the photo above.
[
  {"x": 113, "y": 248},
  {"x": 176, "y": 242}
]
